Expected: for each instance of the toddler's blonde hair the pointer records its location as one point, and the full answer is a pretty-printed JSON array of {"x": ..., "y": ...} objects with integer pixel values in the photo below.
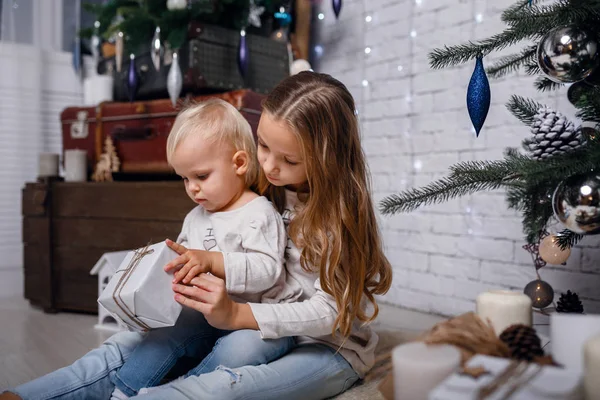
[{"x": 217, "y": 121}]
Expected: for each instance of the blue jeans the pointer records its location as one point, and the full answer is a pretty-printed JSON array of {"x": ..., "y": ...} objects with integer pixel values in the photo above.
[
  {"x": 193, "y": 337},
  {"x": 313, "y": 371}
]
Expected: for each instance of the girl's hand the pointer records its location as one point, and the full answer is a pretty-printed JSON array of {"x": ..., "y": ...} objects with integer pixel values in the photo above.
[
  {"x": 206, "y": 293},
  {"x": 195, "y": 262}
]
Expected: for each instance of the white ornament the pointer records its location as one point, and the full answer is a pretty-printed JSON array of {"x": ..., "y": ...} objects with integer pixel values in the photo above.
[
  {"x": 174, "y": 80},
  {"x": 254, "y": 14},
  {"x": 156, "y": 49},
  {"x": 299, "y": 66},
  {"x": 176, "y": 4}
]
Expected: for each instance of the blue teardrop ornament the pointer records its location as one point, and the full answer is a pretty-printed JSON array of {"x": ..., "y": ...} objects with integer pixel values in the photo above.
[
  {"x": 478, "y": 96},
  {"x": 337, "y": 7},
  {"x": 132, "y": 79},
  {"x": 243, "y": 54}
]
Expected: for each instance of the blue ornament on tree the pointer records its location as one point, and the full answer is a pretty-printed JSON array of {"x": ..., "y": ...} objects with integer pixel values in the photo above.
[
  {"x": 283, "y": 17},
  {"x": 478, "y": 96},
  {"x": 77, "y": 56},
  {"x": 243, "y": 54},
  {"x": 132, "y": 79},
  {"x": 337, "y": 7}
]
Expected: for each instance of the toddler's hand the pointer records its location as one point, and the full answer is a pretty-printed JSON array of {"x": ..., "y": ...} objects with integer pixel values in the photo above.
[{"x": 190, "y": 263}]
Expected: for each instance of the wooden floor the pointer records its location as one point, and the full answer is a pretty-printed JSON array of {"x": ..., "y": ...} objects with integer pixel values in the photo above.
[{"x": 33, "y": 343}]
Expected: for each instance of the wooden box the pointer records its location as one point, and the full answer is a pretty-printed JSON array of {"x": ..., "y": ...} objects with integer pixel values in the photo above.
[{"x": 68, "y": 226}]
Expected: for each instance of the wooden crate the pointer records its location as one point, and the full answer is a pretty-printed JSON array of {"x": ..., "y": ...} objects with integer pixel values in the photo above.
[{"x": 67, "y": 227}]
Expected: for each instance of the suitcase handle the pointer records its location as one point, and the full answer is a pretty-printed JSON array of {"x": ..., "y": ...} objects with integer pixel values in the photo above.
[{"x": 123, "y": 133}]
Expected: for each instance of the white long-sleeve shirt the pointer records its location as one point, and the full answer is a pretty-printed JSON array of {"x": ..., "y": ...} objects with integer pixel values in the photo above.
[
  {"x": 252, "y": 239},
  {"x": 311, "y": 317}
]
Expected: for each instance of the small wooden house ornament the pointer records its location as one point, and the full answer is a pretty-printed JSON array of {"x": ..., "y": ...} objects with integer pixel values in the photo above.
[{"x": 106, "y": 266}]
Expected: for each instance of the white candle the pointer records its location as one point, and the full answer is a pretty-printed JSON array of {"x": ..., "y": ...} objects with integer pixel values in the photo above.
[
  {"x": 47, "y": 164},
  {"x": 419, "y": 368},
  {"x": 96, "y": 89},
  {"x": 75, "y": 165},
  {"x": 591, "y": 366},
  {"x": 568, "y": 333},
  {"x": 504, "y": 308}
]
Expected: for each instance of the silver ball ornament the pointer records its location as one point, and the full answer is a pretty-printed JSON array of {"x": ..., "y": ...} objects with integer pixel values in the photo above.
[
  {"x": 576, "y": 203},
  {"x": 540, "y": 292},
  {"x": 568, "y": 54}
]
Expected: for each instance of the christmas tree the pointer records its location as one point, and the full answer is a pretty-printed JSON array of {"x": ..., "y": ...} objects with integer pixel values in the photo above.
[
  {"x": 138, "y": 19},
  {"x": 555, "y": 175}
]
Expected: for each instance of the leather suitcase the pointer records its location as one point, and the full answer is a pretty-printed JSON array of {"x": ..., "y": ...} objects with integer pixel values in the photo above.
[{"x": 139, "y": 129}]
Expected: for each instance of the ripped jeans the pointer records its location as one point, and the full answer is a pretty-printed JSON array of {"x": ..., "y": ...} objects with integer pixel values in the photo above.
[
  {"x": 194, "y": 338},
  {"x": 309, "y": 372}
]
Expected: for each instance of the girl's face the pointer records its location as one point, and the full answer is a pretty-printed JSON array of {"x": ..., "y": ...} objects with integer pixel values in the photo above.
[{"x": 279, "y": 153}]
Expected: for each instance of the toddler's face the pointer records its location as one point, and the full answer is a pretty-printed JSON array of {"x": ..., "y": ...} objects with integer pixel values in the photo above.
[
  {"x": 280, "y": 154},
  {"x": 208, "y": 171}
]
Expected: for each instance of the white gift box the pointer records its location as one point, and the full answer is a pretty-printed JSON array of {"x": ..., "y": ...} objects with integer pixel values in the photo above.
[
  {"x": 535, "y": 383},
  {"x": 140, "y": 293}
]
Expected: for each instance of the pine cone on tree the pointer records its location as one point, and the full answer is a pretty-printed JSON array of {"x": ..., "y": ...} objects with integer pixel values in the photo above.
[
  {"x": 569, "y": 303},
  {"x": 552, "y": 134},
  {"x": 523, "y": 342}
]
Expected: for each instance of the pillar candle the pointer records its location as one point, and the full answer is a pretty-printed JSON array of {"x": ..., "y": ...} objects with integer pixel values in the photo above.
[
  {"x": 75, "y": 165},
  {"x": 568, "y": 333},
  {"x": 591, "y": 367},
  {"x": 48, "y": 164},
  {"x": 419, "y": 368},
  {"x": 96, "y": 89},
  {"x": 504, "y": 308}
]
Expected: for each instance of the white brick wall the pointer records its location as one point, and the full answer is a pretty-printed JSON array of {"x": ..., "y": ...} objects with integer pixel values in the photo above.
[{"x": 415, "y": 125}]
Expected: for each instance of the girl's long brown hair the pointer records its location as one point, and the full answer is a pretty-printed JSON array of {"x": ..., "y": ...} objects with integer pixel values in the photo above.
[{"x": 337, "y": 229}]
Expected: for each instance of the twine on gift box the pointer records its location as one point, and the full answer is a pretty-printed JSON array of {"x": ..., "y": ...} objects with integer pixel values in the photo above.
[{"x": 127, "y": 272}]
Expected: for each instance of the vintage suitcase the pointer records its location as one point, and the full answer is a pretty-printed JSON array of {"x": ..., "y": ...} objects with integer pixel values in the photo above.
[
  {"x": 208, "y": 61},
  {"x": 139, "y": 129},
  {"x": 67, "y": 226}
]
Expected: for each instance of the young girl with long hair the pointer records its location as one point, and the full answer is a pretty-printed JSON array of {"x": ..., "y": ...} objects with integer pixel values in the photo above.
[{"x": 314, "y": 170}]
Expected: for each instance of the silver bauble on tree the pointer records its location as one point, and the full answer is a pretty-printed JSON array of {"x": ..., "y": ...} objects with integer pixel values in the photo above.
[
  {"x": 552, "y": 134},
  {"x": 568, "y": 54},
  {"x": 576, "y": 203}
]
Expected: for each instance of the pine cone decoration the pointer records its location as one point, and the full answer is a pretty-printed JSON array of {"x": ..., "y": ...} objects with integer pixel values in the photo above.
[
  {"x": 552, "y": 134},
  {"x": 569, "y": 303},
  {"x": 523, "y": 342}
]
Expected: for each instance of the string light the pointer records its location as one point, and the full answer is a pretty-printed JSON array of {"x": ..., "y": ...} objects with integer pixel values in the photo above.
[
  {"x": 479, "y": 18},
  {"x": 321, "y": 16},
  {"x": 418, "y": 164},
  {"x": 367, "y": 50},
  {"x": 400, "y": 68},
  {"x": 418, "y": 2},
  {"x": 319, "y": 50},
  {"x": 413, "y": 34},
  {"x": 468, "y": 210},
  {"x": 408, "y": 98},
  {"x": 368, "y": 18},
  {"x": 365, "y": 83}
]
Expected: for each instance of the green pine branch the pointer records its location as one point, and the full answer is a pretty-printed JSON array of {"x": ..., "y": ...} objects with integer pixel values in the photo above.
[
  {"x": 532, "y": 68},
  {"x": 512, "y": 63},
  {"x": 459, "y": 54},
  {"x": 466, "y": 177},
  {"x": 546, "y": 17},
  {"x": 524, "y": 109},
  {"x": 588, "y": 104},
  {"x": 544, "y": 84},
  {"x": 567, "y": 239}
]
